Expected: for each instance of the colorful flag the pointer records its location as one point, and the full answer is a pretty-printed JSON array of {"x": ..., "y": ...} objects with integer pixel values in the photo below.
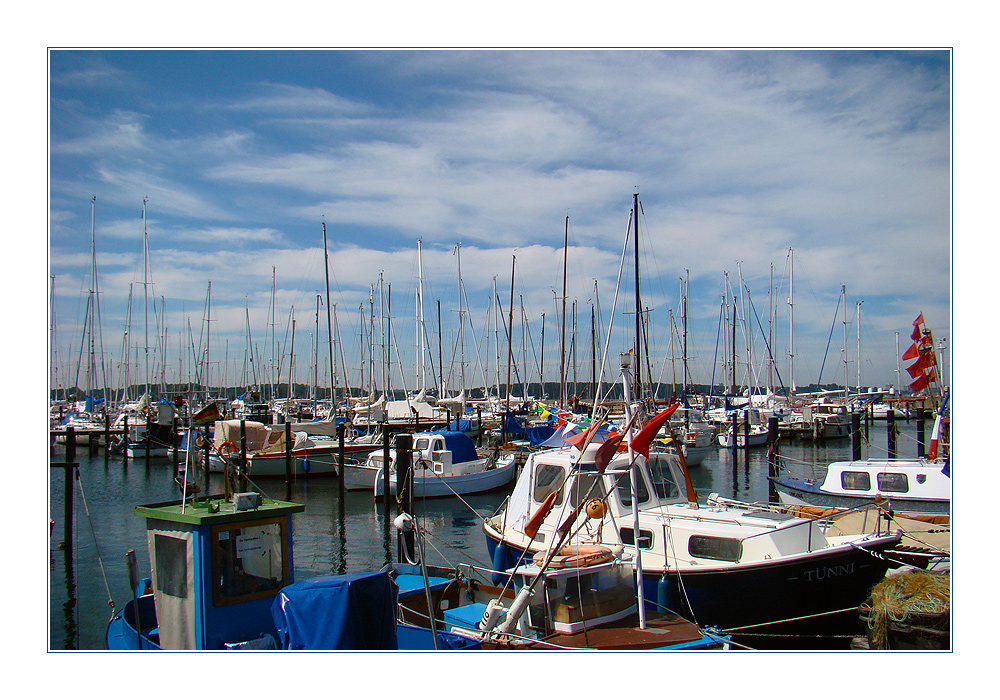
[
  {"x": 207, "y": 415},
  {"x": 581, "y": 440}
]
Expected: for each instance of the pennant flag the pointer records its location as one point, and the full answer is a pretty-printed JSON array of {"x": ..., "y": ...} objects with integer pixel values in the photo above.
[
  {"x": 566, "y": 524},
  {"x": 640, "y": 443},
  {"x": 912, "y": 353},
  {"x": 531, "y": 529},
  {"x": 919, "y": 321},
  {"x": 915, "y": 370},
  {"x": 606, "y": 451},
  {"x": 581, "y": 440},
  {"x": 207, "y": 415},
  {"x": 920, "y": 384}
]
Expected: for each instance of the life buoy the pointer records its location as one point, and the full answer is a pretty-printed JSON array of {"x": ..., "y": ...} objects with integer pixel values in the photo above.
[
  {"x": 576, "y": 555},
  {"x": 228, "y": 447}
]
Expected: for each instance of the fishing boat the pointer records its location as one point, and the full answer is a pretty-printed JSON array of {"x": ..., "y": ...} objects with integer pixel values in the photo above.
[
  {"x": 444, "y": 463},
  {"x": 691, "y": 556},
  {"x": 222, "y": 578},
  {"x": 915, "y": 486},
  {"x": 266, "y": 450}
]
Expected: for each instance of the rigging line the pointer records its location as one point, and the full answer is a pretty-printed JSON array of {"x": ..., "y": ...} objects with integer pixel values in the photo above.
[
  {"x": 767, "y": 345},
  {"x": 819, "y": 382},
  {"x": 97, "y": 546}
]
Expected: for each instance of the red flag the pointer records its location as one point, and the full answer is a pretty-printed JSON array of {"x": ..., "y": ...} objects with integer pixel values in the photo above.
[
  {"x": 640, "y": 443},
  {"x": 606, "y": 451},
  {"x": 564, "y": 528},
  {"x": 207, "y": 415},
  {"x": 912, "y": 353},
  {"x": 915, "y": 370},
  {"x": 581, "y": 440},
  {"x": 531, "y": 529},
  {"x": 920, "y": 383},
  {"x": 919, "y": 320}
]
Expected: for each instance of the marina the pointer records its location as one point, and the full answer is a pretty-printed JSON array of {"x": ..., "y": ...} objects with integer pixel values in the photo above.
[{"x": 336, "y": 532}]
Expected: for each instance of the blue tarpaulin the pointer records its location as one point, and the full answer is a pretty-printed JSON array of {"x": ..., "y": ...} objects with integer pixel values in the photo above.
[
  {"x": 511, "y": 426},
  {"x": 356, "y": 611},
  {"x": 461, "y": 446},
  {"x": 537, "y": 434}
]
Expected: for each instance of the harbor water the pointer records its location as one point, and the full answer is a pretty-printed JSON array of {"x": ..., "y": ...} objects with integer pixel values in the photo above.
[{"x": 337, "y": 533}]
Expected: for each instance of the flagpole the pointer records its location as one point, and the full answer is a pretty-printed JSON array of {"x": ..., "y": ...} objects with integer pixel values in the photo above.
[{"x": 626, "y": 361}]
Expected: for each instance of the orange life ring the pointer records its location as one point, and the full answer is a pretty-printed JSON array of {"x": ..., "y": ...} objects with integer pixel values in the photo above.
[
  {"x": 576, "y": 555},
  {"x": 228, "y": 447}
]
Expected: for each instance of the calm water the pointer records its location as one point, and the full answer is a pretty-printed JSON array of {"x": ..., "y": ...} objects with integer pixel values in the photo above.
[{"x": 332, "y": 535}]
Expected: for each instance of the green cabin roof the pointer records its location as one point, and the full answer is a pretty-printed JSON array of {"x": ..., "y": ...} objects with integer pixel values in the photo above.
[{"x": 215, "y": 510}]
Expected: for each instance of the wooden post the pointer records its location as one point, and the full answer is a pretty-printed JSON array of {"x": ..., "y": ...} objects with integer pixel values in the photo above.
[
  {"x": 772, "y": 457},
  {"x": 479, "y": 426},
  {"x": 921, "y": 437},
  {"x": 734, "y": 433},
  {"x": 71, "y": 471},
  {"x": 70, "y": 443},
  {"x": 174, "y": 440},
  {"x": 243, "y": 454},
  {"x": 206, "y": 444},
  {"x": 386, "y": 496},
  {"x": 125, "y": 441},
  {"x": 404, "y": 490},
  {"x": 855, "y": 436},
  {"x": 746, "y": 439},
  {"x": 341, "y": 430},
  {"x": 107, "y": 434},
  {"x": 288, "y": 453},
  {"x": 149, "y": 434},
  {"x": 890, "y": 427}
]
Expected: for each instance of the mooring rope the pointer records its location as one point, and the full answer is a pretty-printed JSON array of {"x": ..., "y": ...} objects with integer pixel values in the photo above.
[{"x": 97, "y": 546}]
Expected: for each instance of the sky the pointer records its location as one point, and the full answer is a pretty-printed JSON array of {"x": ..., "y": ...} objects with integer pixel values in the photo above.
[{"x": 755, "y": 169}]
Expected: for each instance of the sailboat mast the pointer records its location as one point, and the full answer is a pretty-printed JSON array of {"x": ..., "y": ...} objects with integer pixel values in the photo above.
[
  {"x": 562, "y": 340},
  {"x": 847, "y": 386},
  {"x": 638, "y": 304},
  {"x": 145, "y": 287},
  {"x": 420, "y": 312},
  {"x": 510, "y": 331},
  {"x": 791, "y": 318},
  {"x": 329, "y": 328}
]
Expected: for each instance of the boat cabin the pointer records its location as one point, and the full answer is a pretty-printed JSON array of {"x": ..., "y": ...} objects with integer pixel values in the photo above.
[
  {"x": 216, "y": 567},
  {"x": 573, "y": 598}
]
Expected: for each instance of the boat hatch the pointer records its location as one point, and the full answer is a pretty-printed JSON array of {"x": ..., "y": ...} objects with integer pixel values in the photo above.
[
  {"x": 576, "y": 599},
  {"x": 769, "y": 515}
]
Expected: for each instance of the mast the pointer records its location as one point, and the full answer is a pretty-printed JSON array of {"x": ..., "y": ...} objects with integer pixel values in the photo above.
[
  {"x": 319, "y": 300},
  {"x": 145, "y": 287},
  {"x": 461, "y": 319},
  {"x": 858, "y": 356},
  {"x": 847, "y": 385},
  {"x": 541, "y": 368},
  {"x": 791, "y": 317},
  {"x": 638, "y": 304},
  {"x": 562, "y": 340},
  {"x": 510, "y": 331},
  {"x": 274, "y": 349},
  {"x": 422, "y": 376},
  {"x": 329, "y": 330}
]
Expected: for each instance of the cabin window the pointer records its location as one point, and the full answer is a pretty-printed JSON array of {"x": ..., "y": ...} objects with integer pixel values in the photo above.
[
  {"x": 248, "y": 561},
  {"x": 627, "y": 535},
  {"x": 171, "y": 565},
  {"x": 856, "y": 481},
  {"x": 421, "y": 444},
  {"x": 585, "y": 486},
  {"x": 893, "y": 483},
  {"x": 548, "y": 478},
  {"x": 664, "y": 483},
  {"x": 624, "y": 488},
  {"x": 719, "y": 548},
  {"x": 439, "y": 445}
]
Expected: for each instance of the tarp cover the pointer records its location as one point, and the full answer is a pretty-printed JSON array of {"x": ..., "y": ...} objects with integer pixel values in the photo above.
[
  {"x": 463, "y": 449},
  {"x": 356, "y": 611},
  {"x": 537, "y": 434}
]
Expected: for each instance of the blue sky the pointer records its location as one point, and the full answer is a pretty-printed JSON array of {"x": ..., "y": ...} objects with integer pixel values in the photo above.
[{"x": 738, "y": 156}]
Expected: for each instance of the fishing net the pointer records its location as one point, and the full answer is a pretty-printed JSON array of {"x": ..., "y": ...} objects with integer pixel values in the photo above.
[{"x": 915, "y": 604}]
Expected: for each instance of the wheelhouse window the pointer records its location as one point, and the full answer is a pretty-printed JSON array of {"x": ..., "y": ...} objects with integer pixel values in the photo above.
[
  {"x": 664, "y": 483},
  {"x": 893, "y": 483},
  {"x": 548, "y": 478},
  {"x": 627, "y": 535},
  {"x": 421, "y": 444},
  {"x": 170, "y": 555},
  {"x": 856, "y": 481},
  {"x": 248, "y": 561},
  {"x": 718, "y": 548},
  {"x": 623, "y": 486}
]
